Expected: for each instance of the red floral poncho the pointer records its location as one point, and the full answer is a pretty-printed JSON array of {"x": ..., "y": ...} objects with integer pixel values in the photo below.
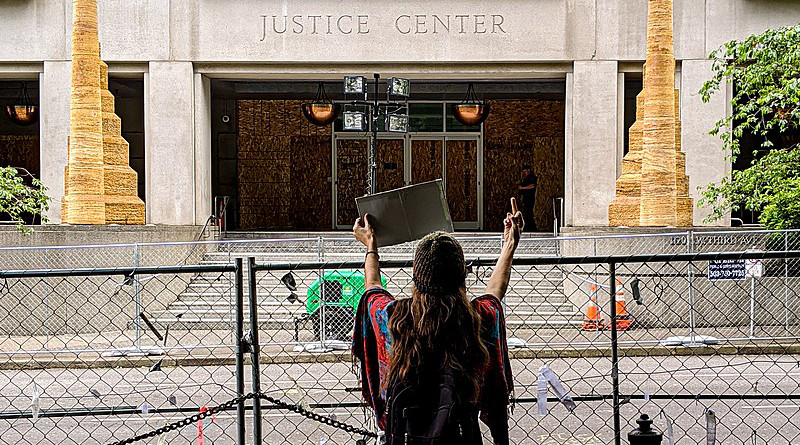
[{"x": 372, "y": 348}]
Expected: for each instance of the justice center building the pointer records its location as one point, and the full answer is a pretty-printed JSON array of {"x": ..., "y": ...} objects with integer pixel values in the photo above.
[{"x": 209, "y": 96}]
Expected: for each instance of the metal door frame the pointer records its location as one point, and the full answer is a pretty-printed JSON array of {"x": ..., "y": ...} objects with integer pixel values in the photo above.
[
  {"x": 335, "y": 159},
  {"x": 444, "y": 137}
]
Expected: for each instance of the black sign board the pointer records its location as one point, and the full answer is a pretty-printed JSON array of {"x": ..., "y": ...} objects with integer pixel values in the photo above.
[{"x": 726, "y": 270}]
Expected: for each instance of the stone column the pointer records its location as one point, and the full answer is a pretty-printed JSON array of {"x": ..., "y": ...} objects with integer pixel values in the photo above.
[
  {"x": 708, "y": 163},
  {"x": 54, "y": 100},
  {"x": 83, "y": 201},
  {"x": 594, "y": 141},
  {"x": 202, "y": 148},
  {"x": 169, "y": 145}
]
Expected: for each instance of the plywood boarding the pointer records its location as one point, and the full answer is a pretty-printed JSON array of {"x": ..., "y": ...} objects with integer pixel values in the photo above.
[
  {"x": 515, "y": 133},
  {"x": 390, "y": 164},
  {"x": 283, "y": 167},
  {"x": 462, "y": 179},
  {"x": 426, "y": 160},
  {"x": 351, "y": 172},
  {"x": 21, "y": 151}
]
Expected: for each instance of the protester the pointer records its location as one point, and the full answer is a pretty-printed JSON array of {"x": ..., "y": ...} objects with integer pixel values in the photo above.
[
  {"x": 436, "y": 335},
  {"x": 527, "y": 189}
]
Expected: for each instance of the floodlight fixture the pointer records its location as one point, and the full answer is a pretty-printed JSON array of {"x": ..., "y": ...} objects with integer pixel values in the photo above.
[
  {"x": 354, "y": 121},
  {"x": 397, "y": 123},
  {"x": 399, "y": 87},
  {"x": 355, "y": 85}
]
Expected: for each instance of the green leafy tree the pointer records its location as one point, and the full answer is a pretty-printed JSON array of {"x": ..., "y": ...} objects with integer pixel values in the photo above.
[
  {"x": 18, "y": 199},
  {"x": 765, "y": 70}
]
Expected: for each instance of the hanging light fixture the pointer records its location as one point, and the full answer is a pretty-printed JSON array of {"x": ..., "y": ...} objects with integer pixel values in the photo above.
[
  {"x": 471, "y": 111},
  {"x": 23, "y": 112},
  {"x": 321, "y": 111}
]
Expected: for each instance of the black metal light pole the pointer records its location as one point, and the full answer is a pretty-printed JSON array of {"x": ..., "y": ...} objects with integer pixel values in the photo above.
[
  {"x": 369, "y": 111},
  {"x": 373, "y": 151}
]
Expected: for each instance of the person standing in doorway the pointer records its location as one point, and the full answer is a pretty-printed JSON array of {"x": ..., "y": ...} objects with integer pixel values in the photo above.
[{"x": 527, "y": 188}]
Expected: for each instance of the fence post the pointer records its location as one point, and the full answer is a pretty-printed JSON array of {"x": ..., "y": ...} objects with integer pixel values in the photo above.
[
  {"x": 239, "y": 333},
  {"x": 137, "y": 300},
  {"x": 690, "y": 277},
  {"x": 255, "y": 349},
  {"x": 612, "y": 269},
  {"x": 786, "y": 282},
  {"x": 752, "y": 307}
]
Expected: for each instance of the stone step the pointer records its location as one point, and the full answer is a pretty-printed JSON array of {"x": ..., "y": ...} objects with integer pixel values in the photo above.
[
  {"x": 261, "y": 289},
  {"x": 512, "y": 299},
  {"x": 189, "y": 323}
]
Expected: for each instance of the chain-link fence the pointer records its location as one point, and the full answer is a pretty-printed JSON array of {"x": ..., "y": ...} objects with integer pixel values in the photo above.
[
  {"x": 692, "y": 342},
  {"x": 334, "y": 247},
  {"x": 146, "y": 338},
  {"x": 84, "y": 360}
]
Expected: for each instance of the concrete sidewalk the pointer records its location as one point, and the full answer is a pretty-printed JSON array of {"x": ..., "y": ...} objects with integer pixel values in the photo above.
[{"x": 217, "y": 347}]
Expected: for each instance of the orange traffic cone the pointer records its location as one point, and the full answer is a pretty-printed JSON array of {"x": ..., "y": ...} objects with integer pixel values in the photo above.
[
  {"x": 623, "y": 319},
  {"x": 593, "y": 321}
]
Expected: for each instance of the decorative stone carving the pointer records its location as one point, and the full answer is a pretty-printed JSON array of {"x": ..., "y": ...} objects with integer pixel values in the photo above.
[
  {"x": 654, "y": 189},
  {"x": 99, "y": 185}
]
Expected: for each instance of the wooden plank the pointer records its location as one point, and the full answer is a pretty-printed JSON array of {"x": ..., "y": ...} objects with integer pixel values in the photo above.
[{"x": 283, "y": 168}]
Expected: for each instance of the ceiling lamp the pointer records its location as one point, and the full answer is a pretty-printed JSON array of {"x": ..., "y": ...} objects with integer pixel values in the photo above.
[
  {"x": 471, "y": 111},
  {"x": 321, "y": 111},
  {"x": 23, "y": 112}
]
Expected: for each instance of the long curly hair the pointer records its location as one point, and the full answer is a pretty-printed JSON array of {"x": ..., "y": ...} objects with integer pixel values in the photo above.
[{"x": 437, "y": 327}]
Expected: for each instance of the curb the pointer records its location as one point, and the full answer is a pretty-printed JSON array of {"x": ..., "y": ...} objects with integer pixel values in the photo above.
[{"x": 285, "y": 358}]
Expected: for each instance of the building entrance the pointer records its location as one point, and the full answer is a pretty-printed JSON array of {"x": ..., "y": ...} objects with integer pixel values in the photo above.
[
  {"x": 284, "y": 174},
  {"x": 411, "y": 159}
]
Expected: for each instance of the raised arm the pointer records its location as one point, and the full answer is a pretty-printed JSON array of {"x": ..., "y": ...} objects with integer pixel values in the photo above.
[
  {"x": 512, "y": 229},
  {"x": 364, "y": 232}
]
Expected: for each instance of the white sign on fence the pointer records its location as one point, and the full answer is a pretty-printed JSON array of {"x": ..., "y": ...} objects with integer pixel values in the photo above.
[{"x": 754, "y": 268}]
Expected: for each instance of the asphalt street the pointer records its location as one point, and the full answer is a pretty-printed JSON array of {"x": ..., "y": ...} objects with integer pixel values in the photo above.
[{"x": 679, "y": 388}]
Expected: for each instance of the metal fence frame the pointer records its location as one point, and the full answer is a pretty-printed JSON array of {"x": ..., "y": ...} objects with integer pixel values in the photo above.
[{"x": 612, "y": 261}]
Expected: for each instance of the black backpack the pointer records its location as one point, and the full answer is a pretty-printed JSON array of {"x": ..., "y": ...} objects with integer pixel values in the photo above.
[{"x": 431, "y": 415}]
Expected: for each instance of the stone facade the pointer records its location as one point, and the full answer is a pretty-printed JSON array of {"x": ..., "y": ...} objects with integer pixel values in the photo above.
[{"x": 178, "y": 46}]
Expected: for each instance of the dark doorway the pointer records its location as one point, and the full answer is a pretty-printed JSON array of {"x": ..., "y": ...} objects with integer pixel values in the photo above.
[
  {"x": 129, "y": 107},
  {"x": 19, "y": 144}
]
